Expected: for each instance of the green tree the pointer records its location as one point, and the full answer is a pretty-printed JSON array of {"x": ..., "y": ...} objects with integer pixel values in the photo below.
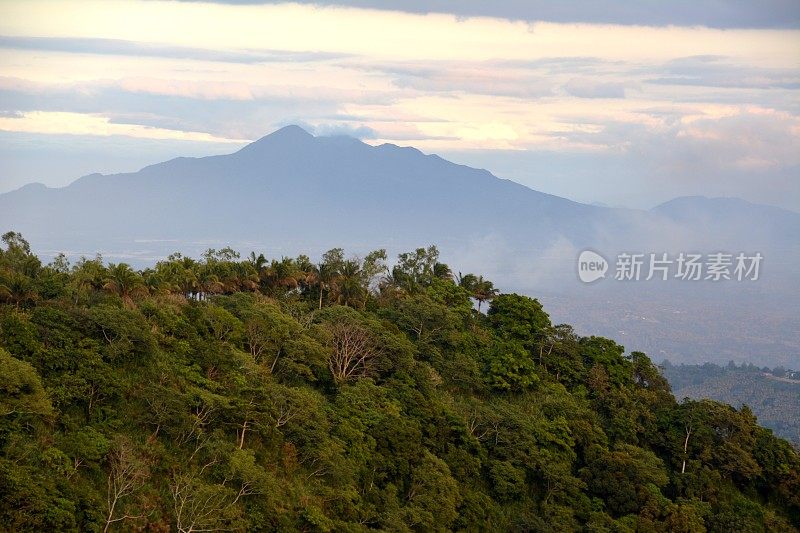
[
  {"x": 122, "y": 280},
  {"x": 483, "y": 290}
]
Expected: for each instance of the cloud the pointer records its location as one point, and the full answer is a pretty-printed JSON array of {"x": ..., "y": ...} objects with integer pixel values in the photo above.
[
  {"x": 743, "y": 151},
  {"x": 689, "y": 144},
  {"x": 588, "y": 88},
  {"x": 203, "y": 90},
  {"x": 122, "y": 47},
  {"x": 479, "y": 77},
  {"x": 682, "y": 106},
  {"x": 81, "y": 124},
  {"x": 380, "y": 34},
  {"x": 731, "y": 14},
  {"x": 358, "y": 132},
  {"x": 748, "y": 139},
  {"x": 172, "y": 105},
  {"x": 722, "y": 72}
]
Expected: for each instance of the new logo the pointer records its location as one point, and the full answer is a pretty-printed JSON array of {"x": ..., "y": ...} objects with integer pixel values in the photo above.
[{"x": 591, "y": 266}]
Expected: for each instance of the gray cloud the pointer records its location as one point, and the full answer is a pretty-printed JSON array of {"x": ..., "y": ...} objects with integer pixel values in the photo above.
[
  {"x": 716, "y": 71},
  {"x": 477, "y": 82},
  {"x": 749, "y": 142},
  {"x": 138, "y": 49},
  {"x": 590, "y": 88},
  {"x": 490, "y": 78},
  {"x": 752, "y": 154},
  {"x": 236, "y": 119},
  {"x": 564, "y": 65},
  {"x": 712, "y": 13},
  {"x": 356, "y": 131}
]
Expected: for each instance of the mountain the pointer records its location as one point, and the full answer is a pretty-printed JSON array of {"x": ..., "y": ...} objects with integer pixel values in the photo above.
[
  {"x": 326, "y": 187},
  {"x": 742, "y": 220},
  {"x": 292, "y": 192},
  {"x": 322, "y": 187}
]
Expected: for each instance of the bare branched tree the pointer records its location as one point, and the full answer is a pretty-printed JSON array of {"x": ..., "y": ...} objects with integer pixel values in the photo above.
[
  {"x": 353, "y": 353},
  {"x": 257, "y": 338},
  {"x": 200, "y": 506},
  {"x": 126, "y": 474},
  {"x": 285, "y": 410}
]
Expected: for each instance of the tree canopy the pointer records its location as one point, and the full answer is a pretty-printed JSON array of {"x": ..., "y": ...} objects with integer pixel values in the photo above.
[{"x": 281, "y": 394}]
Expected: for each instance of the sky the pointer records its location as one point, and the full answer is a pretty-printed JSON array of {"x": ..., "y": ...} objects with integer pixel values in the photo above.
[{"x": 619, "y": 103}]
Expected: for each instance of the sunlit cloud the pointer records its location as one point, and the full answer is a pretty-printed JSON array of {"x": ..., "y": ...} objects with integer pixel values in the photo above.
[{"x": 214, "y": 72}]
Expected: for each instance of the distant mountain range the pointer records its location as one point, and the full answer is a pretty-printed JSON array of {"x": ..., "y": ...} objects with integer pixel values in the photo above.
[
  {"x": 291, "y": 189},
  {"x": 291, "y": 192}
]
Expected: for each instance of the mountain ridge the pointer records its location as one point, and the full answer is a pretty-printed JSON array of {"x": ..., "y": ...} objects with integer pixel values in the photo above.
[
  {"x": 330, "y": 186},
  {"x": 294, "y": 133},
  {"x": 367, "y": 169}
]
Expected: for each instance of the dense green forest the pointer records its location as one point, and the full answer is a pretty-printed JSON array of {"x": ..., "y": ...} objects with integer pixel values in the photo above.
[
  {"x": 285, "y": 395},
  {"x": 772, "y": 394}
]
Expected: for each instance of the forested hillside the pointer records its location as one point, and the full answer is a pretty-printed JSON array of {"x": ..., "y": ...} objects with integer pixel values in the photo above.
[
  {"x": 286, "y": 395},
  {"x": 773, "y": 395}
]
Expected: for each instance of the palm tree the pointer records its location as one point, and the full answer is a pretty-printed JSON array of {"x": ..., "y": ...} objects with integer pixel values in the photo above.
[
  {"x": 16, "y": 288},
  {"x": 259, "y": 263},
  {"x": 155, "y": 283},
  {"x": 442, "y": 271},
  {"x": 283, "y": 275},
  {"x": 188, "y": 274},
  {"x": 179, "y": 274},
  {"x": 327, "y": 276},
  {"x": 349, "y": 286},
  {"x": 466, "y": 281},
  {"x": 308, "y": 273},
  {"x": 247, "y": 275},
  {"x": 88, "y": 274},
  {"x": 123, "y": 281},
  {"x": 209, "y": 283},
  {"x": 396, "y": 279},
  {"x": 483, "y": 290}
]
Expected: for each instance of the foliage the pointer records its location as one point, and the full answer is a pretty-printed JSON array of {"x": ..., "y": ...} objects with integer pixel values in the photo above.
[
  {"x": 283, "y": 395},
  {"x": 772, "y": 394}
]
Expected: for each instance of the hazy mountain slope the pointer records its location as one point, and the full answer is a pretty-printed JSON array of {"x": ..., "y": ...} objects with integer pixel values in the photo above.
[{"x": 734, "y": 218}]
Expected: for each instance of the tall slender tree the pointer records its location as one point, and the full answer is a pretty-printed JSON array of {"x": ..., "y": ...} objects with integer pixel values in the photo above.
[{"x": 483, "y": 291}]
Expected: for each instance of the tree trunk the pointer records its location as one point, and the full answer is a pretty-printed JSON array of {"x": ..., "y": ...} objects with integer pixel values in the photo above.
[
  {"x": 110, "y": 518},
  {"x": 241, "y": 439},
  {"x": 685, "y": 448}
]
